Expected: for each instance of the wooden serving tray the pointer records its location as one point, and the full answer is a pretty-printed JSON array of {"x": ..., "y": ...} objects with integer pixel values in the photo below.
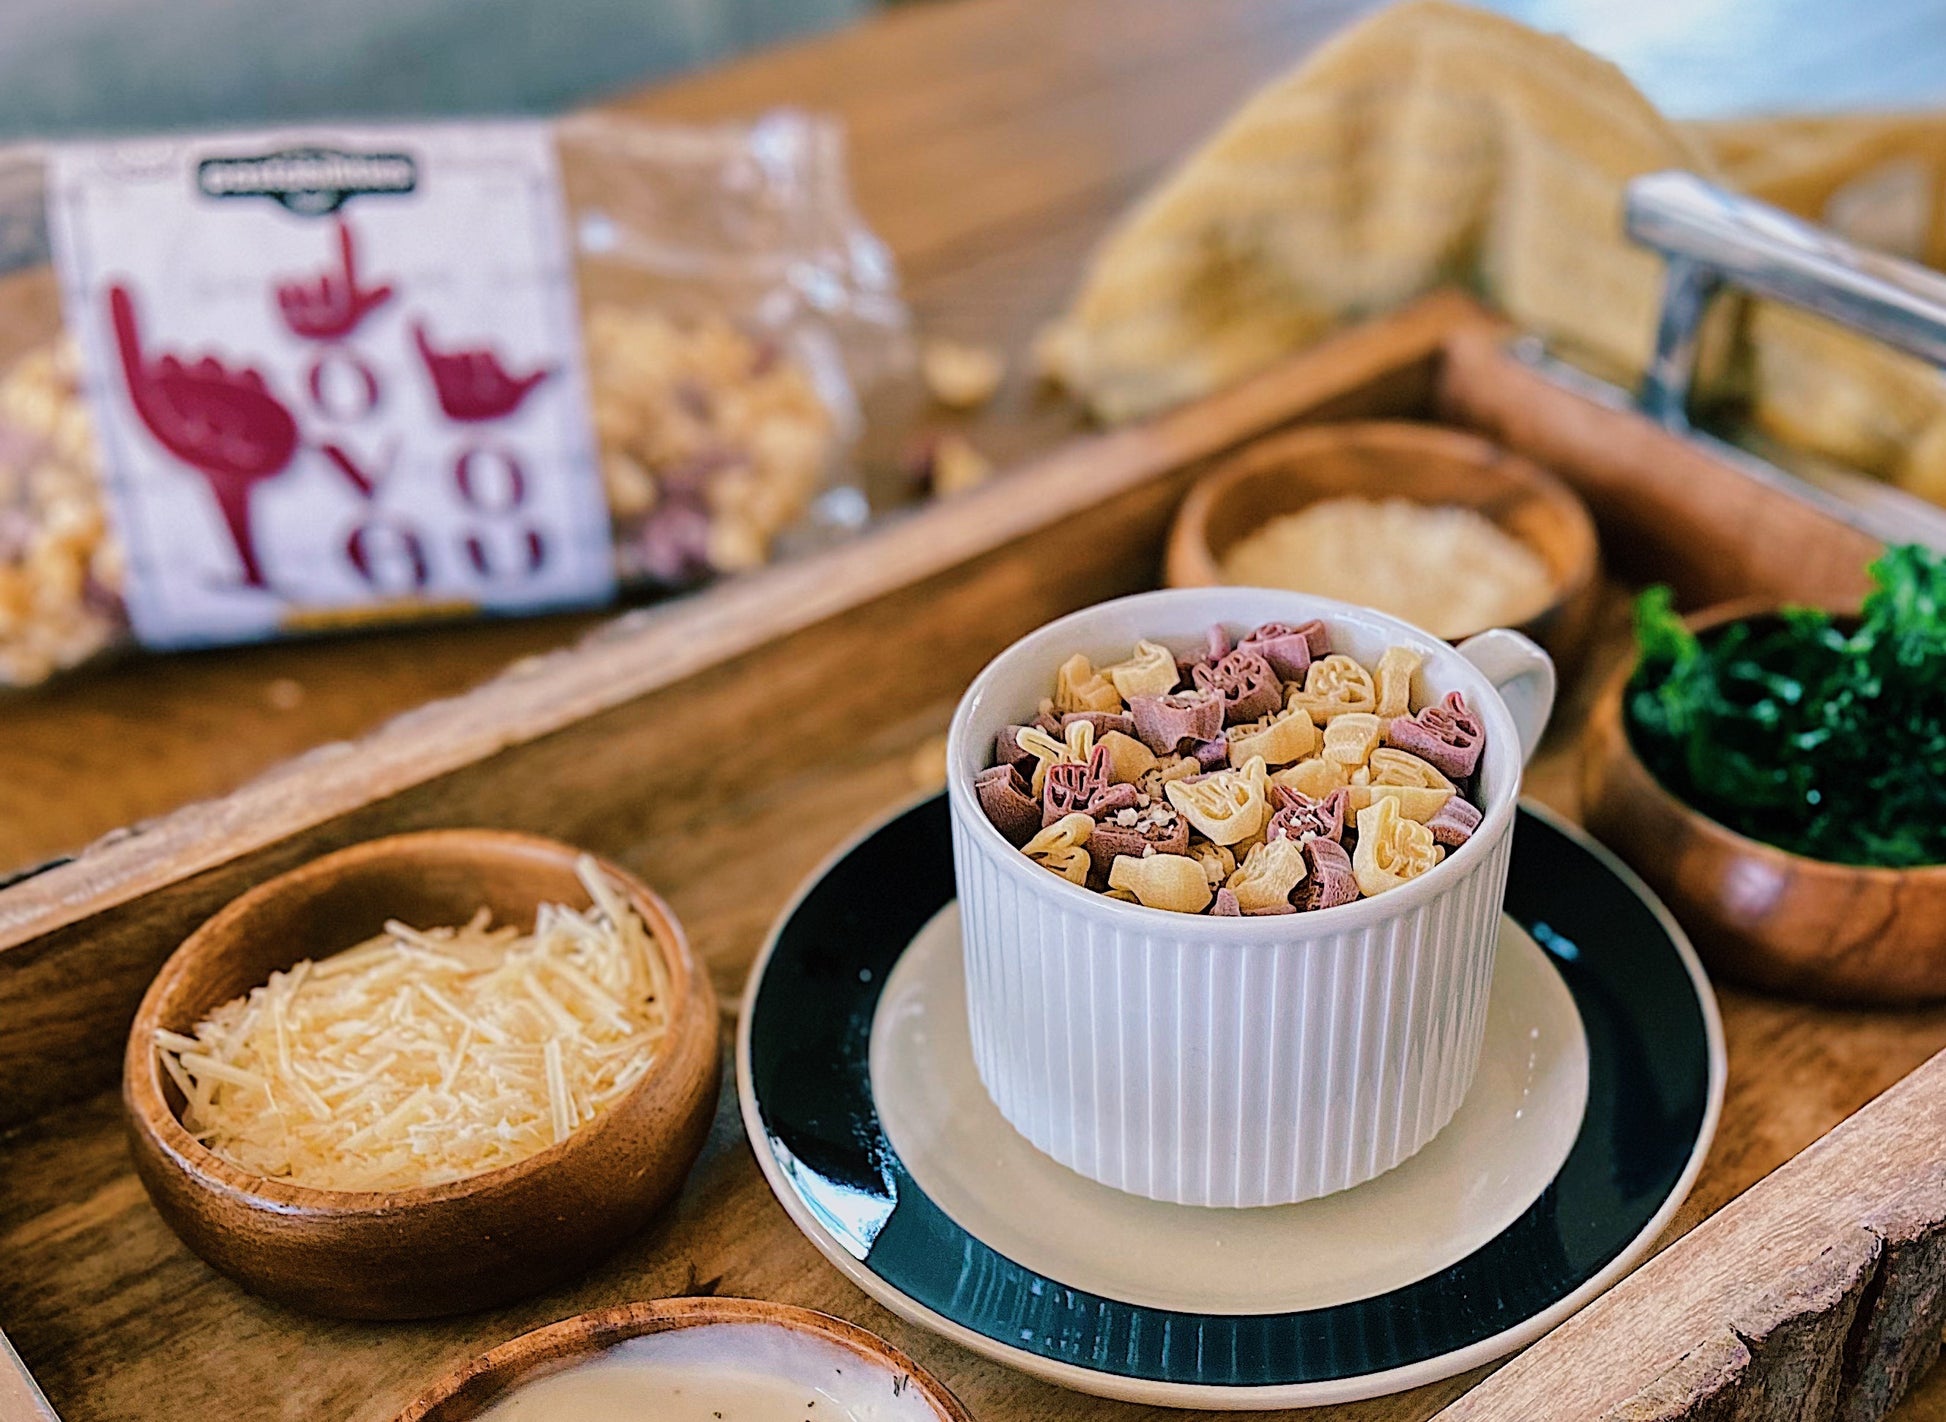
[{"x": 721, "y": 746}]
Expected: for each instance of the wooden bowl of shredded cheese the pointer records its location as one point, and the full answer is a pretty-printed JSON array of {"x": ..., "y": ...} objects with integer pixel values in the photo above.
[
  {"x": 1433, "y": 525},
  {"x": 422, "y": 1075}
]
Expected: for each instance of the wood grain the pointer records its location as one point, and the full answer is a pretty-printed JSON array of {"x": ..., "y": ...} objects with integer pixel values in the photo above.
[
  {"x": 1768, "y": 1310},
  {"x": 437, "y": 1249}
]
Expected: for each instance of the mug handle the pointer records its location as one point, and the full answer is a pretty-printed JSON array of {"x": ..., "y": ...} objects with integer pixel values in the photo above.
[{"x": 1523, "y": 675}]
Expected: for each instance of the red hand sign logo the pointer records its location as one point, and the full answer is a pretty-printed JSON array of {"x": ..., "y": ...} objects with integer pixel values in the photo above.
[
  {"x": 330, "y": 308},
  {"x": 222, "y": 423},
  {"x": 470, "y": 384}
]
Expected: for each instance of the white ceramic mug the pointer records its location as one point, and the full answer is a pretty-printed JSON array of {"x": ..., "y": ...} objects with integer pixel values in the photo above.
[{"x": 1235, "y": 1061}]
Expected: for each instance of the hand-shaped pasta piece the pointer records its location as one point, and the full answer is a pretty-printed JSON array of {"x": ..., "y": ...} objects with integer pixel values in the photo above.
[
  {"x": 1288, "y": 649},
  {"x": 1280, "y": 738},
  {"x": 1128, "y": 759},
  {"x": 1455, "y": 822},
  {"x": 1391, "y": 766},
  {"x": 1063, "y": 847},
  {"x": 1134, "y": 830},
  {"x": 1314, "y": 776},
  {"x": 1079, "y": 687},
  {"x": 1249, "y": 688},
  {"x": 1331, "y": 880},
  {"x": 1448, "y": 735},
  {"x": 1299, "y": 817},
  {"x": 1166, "y": 723},
  {"x": 1391, "y": 849},
  {"x": 1072, "y": 787},
  {"x": 1394, "y": 678},
  {"x": 1336, "y": 686},
  {"x": 1415, "y": 802},
  {"x": 1162, "y": 881},
  {"x": 1350, "y": 738},
  {"x": 1150, "y": 672},
  {"x": 1263, "y": 882},
  {"x": 1227, "y": 806},
  {"x": 1216, "y": 646},
  {"x": 1005, "y": 796}
]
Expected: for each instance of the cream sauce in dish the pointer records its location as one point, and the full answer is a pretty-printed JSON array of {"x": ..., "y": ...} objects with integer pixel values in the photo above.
[{"x": 720, "y": 1372}]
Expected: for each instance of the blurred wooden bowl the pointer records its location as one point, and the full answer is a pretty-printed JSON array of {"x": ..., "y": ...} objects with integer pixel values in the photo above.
[
  {"x": 1428, "y": 464},
  {"x": 466, "y": 1244},
  {"x": 470, "y": 1390},
  {"x": 1762, "y": 915}
]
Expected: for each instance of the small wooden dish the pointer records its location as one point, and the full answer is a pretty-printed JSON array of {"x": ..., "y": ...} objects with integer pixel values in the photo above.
[
  {"x": 449, "y": 1248},
  {"x": 1428, "y": 464},
  {"x": 469, "y": 1391},
  {"x": 1761, "y": 915}
]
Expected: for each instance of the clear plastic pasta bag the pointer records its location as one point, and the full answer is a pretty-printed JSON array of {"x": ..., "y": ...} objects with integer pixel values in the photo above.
[{"x": 741, "y": 332}]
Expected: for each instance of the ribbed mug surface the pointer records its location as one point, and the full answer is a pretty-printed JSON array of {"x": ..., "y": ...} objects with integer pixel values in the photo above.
[{"x": 1212, "y": 1061}]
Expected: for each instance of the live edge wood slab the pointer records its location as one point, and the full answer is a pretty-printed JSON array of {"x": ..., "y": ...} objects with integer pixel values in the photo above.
[{"x": 831, "y": 680}]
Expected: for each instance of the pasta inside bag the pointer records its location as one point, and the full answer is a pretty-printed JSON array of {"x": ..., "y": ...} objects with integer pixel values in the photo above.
[{"x": 744, "y": 345}]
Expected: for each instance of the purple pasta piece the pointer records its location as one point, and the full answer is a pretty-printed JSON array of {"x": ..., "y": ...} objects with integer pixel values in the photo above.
[
  {"x": 1226, "y": 905},
  {"x": 1328, "y": 881},
  {"x": 1154, "y": 826},
  {"x": 1114, "y": 800},
  {"x": 1298, "y": 815},
  {"x": 1454, "y": 822},
  {"x": 1216, "y": 646},
  {"x": 1286, "y": 648},
  {"x": 1249, "y": 688},
  {"x": 1006, "y": 798},
  {"x": 1163, "y": 723},
  {"x": 1211, "y": 755},
  {"x": 1071, "y": 788},
  {"x": 1007, "y": 751},
  {"x": 1448, "y": 737},
  {"x": 1102, "y": 721}
]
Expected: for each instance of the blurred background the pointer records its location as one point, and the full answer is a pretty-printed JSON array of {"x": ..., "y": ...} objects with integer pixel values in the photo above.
[{"x": 98, "y": 66}]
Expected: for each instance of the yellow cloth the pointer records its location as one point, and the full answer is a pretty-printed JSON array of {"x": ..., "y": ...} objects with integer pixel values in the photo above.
[{"x": 1435, "y": 144}]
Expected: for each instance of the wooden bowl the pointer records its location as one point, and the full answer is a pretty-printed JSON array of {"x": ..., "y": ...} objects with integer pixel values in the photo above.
[
  {"x": 466, "y": 1244},
  {"x": 1759, "y": 914},
  {"x": 469, "y": 1391},
  {"x": 1428, "y": 464}
]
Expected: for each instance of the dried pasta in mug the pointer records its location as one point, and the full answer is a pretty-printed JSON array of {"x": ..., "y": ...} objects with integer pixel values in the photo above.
[
  {"x": 1226, "y": 806},
  {"x": 1062, "y": 847},
  {"x": 1151, "y": 671},
  {"x": 1336, "y": 686},
  {"x": 1391, "y": 850},
  {"x": 1245, "y": 792},
  {"x": 1163, "y": 881}
]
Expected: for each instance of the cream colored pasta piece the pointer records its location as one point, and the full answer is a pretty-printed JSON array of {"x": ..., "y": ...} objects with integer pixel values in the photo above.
[
  {"x": 1128, "y": 759},
  {"x": 1264, "y": 881},
  {"x": 1122, "y": 895},
  {"x": 1416, "y": 802},
  {"x": 1351, "y": 738},
  {"x": 1062, "y": 847},
  {"x": 1392, "y": 850},
  {"x": 1074, "y": 747},
  {"x": 1151, "y": 671},
  {"x": 1392, "y": 766},
  {"x": 1218, "y": 862},
  {"x": 1079, "y": 687},
  {"x": 1280, "y": 739},
  {"x": 1394, "y": 679},
  {"x": 1314, "y": 776},
  {"x": 1163, "y": 881},
  {"x": 1226, "y": 805},
  {"x": 1336, "y": 686}
]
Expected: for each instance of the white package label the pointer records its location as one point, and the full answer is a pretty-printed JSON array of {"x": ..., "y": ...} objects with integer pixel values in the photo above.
[{"x": 336, "y": 375}]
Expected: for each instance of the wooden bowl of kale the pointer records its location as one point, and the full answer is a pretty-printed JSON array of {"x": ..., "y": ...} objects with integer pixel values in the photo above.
[{"x": 1778, "y": 776}]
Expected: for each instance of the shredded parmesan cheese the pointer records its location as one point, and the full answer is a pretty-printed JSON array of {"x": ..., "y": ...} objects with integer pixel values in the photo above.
[{"x": 427, "y": 1055}]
